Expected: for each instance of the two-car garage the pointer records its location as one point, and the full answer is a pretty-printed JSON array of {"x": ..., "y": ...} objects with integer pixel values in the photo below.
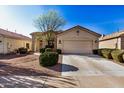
[
  {"x": 77, "y": 40},
  {"x": 77, "y": 46}
]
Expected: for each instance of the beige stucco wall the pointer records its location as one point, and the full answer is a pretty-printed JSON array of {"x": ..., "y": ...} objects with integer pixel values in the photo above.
[
  {"x": 1, "y": 44},
  {"x": 36, "y": 37},
  {"x": 112, "y": 43},
  {"x": 36, "y": 41},
  {"x": 73, "y": 35},
  {"x": 9, "y": 44},
  {"x": 122, "y": 42}
]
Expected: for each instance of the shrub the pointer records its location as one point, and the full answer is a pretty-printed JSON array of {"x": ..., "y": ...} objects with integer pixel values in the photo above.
[
  {"x": 100, "y": 52},
  {"x": 48, "y": 59},
  {"x": 117, "y": 55},
  {"x": 48, "y": 50},
  {"x": 42, "y": 50},
  {"x": 16, "y": 51},
  {"x": 22, "y": 50},
  {"x": 106, "y": 53},
  {"x": 59, "y": 51},
  {"x": 123, "y": 56},
  {"x": 49, "y": 46},
  {"x": 95, "y": 51}
]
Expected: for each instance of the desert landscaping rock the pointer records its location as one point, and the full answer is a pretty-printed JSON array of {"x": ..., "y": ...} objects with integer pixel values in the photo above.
[{"x": 26, "y": 65}]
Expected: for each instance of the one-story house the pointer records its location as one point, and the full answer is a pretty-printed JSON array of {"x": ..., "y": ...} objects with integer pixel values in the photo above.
[
  {"x": 77, "y": 40},
  {"x": 114, "y": 40},
  {"x": 10, "y": 41}
]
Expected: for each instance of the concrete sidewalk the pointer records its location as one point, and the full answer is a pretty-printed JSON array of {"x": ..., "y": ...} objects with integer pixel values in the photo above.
[
  {"x": 61, "y": 82},
  {"x": 37, "y": 82}
]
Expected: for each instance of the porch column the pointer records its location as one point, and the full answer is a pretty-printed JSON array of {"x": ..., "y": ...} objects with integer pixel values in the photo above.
[
  {"x": 55, "y": 42},
  {"x": 33, "y": 43}
]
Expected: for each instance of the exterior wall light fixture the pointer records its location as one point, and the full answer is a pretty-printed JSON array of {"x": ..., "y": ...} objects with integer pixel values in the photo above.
[{"x": 78, "y": 32}]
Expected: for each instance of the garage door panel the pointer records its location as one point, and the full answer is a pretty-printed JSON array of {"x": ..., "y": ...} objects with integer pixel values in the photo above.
[{"x": 75, "y": 46}]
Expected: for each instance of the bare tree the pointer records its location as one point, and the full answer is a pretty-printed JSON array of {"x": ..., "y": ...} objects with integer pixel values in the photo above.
[{"x": 49, "y": 21}]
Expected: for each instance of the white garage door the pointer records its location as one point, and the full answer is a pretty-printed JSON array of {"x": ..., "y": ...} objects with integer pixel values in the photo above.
[{"x": 77, "y": 47}]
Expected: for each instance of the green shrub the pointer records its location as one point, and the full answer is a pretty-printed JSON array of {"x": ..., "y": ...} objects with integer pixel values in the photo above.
[
  {"x": 22, "y": 50},
  {"x": 48, "y": 50},
  {"x": 42, "y": 50},
  {"x": 59, "y": 51},
  {"x": 100, "y": 52},
  {"x": 117, "y": 55},
  {"x": 123, "y": 56},
  {"x": 49, "y": 46},
  {"x": 95, "y": 51},
  {"x": 106, "y": 53},
  {"x": 48, "y": 59}
]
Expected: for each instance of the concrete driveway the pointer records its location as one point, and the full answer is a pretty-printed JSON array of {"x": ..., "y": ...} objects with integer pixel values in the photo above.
[
  {"x": 93, "y": 71},
  {"x": 90, "y": 65}
]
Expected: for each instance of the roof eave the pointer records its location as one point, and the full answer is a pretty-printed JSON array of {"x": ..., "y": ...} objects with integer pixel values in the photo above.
[{"x": 80, "y": 27}]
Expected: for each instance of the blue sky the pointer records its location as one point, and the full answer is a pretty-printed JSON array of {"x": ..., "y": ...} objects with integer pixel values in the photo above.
[{"x": 101, "y": 19}]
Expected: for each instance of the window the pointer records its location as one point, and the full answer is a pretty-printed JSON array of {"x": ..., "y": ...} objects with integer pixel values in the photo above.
[
  {"x": 60, "y": 42},
  {"x": 51, "y": 43},
  {"x": 0, "y": 41},
  {"x": 27, "y": 45}
]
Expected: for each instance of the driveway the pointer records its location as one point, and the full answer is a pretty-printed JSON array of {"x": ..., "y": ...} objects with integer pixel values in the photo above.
[
  {"x": 93, "y": 71},
  {"x": 90, "y": 65}
]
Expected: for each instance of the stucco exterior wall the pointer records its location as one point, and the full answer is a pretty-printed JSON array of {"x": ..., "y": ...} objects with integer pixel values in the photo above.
[
  {"x": 122, "y": 42},
  {"x": 36, "y": 38},
  {"x": 1, "y": 44},
  {"x": 9, "y": 45},
  {"x": 112, "y": 43},
  {"x": 35, "y": 41},
  {"x": 73, "y": 35}
]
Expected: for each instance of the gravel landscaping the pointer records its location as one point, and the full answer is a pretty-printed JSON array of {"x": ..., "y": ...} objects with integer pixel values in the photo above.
[
  {"x": 24, "y": 71},
  {"x": 26, "y": 65}
]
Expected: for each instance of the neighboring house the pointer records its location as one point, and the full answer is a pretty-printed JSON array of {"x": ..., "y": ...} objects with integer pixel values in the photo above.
[
  {"x": 114, "y": 40},
  {"x": 74, "y": 40},
  {"x": 10, "y": 41}
]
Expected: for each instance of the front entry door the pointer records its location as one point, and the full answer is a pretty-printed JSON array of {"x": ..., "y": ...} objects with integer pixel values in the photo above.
[{"x": 40, "y": 44}]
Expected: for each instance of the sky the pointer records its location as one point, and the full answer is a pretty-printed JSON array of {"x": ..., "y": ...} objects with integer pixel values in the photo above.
[{"x": 101, "y": 19}]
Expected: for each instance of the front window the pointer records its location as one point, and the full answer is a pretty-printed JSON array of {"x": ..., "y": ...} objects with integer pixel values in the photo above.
[
  {"x": 27, "y": 45},
  {"x": 51, "y": 43}
]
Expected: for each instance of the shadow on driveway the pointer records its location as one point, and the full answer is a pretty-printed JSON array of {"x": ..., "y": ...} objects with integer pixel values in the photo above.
[{"x": 64, "y": 68}]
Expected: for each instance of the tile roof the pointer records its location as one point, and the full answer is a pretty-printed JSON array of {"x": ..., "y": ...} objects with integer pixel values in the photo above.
[
  {"x": 13, "y": 35},
  {"x": 85, "y": 29},
  {"x": 113, "y": 35},
  {"x": 57, "y": 32},
  {"x": 63, "y": 31}
]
